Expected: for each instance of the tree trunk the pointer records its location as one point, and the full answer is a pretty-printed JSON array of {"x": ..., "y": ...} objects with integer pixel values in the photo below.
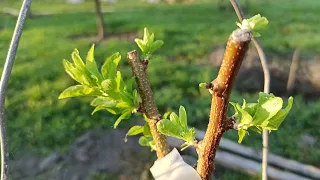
[
  {"x": 100, "y": 21},
  {"x": 293, "y": 71}
]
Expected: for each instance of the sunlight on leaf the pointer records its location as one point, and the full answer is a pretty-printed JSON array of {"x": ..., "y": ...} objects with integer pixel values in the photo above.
[
  {"x": 177, "y": 127},
  {"x": 253, "y": 24},
  {"x": 266, "y": 114},
  {"x": 79, "y": 90}
]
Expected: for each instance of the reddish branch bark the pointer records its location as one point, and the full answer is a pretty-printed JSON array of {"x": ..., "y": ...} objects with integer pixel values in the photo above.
[
  {"x": 148, "y": 104},
  {"x": 235, "y": 51}
]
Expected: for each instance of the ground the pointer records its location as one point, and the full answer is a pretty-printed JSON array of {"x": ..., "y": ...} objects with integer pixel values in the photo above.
[{"x": 40, "y": 123}]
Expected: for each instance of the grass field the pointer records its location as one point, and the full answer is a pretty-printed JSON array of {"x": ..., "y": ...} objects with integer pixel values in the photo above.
[{"x": 37, "y": 121}]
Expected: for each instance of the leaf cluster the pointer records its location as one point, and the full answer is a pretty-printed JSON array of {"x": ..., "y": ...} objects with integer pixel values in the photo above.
[
  {"x": 177, "y": 127},
  {"x": 108, "y": 87},
  {"x": 147, "y": 44},
  {"x": 146, "y": 138},
  {"x": 266, "y": 114},
  {"x": 254, "y": 24}
]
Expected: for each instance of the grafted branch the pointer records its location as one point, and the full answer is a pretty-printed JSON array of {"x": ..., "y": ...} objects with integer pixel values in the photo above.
[
  {"x": 151, "y": 111},
  {"x": 236, "y": 49}
]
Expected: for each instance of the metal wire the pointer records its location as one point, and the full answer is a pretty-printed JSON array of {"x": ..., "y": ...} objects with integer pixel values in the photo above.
[{"x": 4, "y": 84}]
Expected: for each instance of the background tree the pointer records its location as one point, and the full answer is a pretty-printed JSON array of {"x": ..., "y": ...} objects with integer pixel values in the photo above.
[{"x": 100, "y": 21}]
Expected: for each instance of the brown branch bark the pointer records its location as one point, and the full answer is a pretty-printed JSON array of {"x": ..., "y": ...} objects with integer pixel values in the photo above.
[
  {"x": 236, "y": 49},
  {"x": 100, "y": 21},
  {"x": 148, "y": 103},
  {"x": 266, "y": 89}
]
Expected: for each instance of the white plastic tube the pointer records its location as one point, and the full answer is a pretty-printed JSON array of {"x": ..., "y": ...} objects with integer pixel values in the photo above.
[{"x": 172, "y": 167}]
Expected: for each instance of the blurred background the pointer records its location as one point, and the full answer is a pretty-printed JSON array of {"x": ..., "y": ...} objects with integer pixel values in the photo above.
[{"x": 60, "y": 139}]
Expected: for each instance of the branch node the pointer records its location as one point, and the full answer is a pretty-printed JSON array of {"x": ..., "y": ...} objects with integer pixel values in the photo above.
[
  {"x": 230, "y": 123},
  {"x": 145, "y": 64},
  {"x": 141, "y": 109}
]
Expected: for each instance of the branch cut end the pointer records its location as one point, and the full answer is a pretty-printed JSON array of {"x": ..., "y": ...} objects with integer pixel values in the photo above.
[
  {"x": 132, "y": 54},
  {"x": 241, "y": 35}
]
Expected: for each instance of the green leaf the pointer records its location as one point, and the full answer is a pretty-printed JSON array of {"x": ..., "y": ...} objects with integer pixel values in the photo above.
[
  {"x": 128, "y": 84},
  {"x": 125, "y": 115},
  {"x": 189, "y": 136},
  {"x": 123, "y": 104},
  {"x": 91, "y": 65},
  {"x": 109, "y": 68},
  {"x": 77, "y": 74},
  {"x": 257, "y": 129},
  {"x": 108, "y": 85},
  {"x": 136, "y": 98},
  {"x": 249, "y": 107},
  {"x": 277, "y": 119},
  {"x": 203, "y": 85},
  {"x": 147, "y": 141},
  {"x": 174, "y": 118},
  {"x": 177, "y": 127},
  {"x": 156, "y": 45},
  {"x": 141, "y": 44},
  {"x": 135, "y": 130},
  {"x": 268, "y": 106},
  {"x": 114, "y": 110},
  {"x": 105, "y": 102},
  {"x": 146, "y": 35},
  {"x": 241, "y": 134},
  {"x": 183, "y": 117},
  {"x": 146, "y": 130},
  {"x": 150, "y": 40},
  {"x": 166, "y": 115},
  {"x": 147, "y": 44},
  {"x": 98, "y": 108},
  {"x": 143, "y": 141},
  {"x": 77, "y": 59},
  {"x": 119, "y": 81},
  {"x": 253, "y": 24},
  {"x": 79, "y": 90},
  {"x": 244, "y": 118},
  {"x": 170, "y": 128}
]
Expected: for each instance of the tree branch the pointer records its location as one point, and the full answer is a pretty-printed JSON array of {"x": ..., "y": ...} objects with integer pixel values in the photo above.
[
  {"x": 4, "y": 84},
  {"x": 266, "y": 88},
  {"x": 236, "y": 49},
  {"x": 148, "y": 103}
]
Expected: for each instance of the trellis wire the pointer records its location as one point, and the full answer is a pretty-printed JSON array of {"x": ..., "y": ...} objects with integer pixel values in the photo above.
[{"x": 4, "y": 84}]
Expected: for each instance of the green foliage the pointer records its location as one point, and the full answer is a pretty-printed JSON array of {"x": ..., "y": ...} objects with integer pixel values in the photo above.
[
  {"x": 110, "y": 91},
  {"x": 135, "y": 130},
  {"x": 147, "y": 45},
  {"x": 254, "y": 24},
  {"x": 176, "y": 126},
  {"x": 267, "y": 114},
  {"x": 39, "y": 122},
  {"x": 147, "y": 141}
]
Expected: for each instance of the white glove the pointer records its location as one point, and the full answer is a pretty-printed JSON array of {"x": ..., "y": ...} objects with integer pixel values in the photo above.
[{"x": 172, "y": 167}]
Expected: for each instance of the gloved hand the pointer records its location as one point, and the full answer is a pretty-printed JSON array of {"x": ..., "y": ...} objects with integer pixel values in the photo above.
[{"x": 172, "y": 167}]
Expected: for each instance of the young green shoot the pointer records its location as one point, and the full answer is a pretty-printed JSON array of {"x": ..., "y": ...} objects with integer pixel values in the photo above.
[
  {"x": 147, "y": 45},
  {"x": 108, "y": 87},
  {"x": 266, "y": 114},
  {"x": 177, "y": 127},
  {"x": 254, "y": 24}
]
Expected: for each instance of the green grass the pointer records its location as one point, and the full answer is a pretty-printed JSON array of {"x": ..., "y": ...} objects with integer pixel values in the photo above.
[{"x": 38, "y": 121}]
